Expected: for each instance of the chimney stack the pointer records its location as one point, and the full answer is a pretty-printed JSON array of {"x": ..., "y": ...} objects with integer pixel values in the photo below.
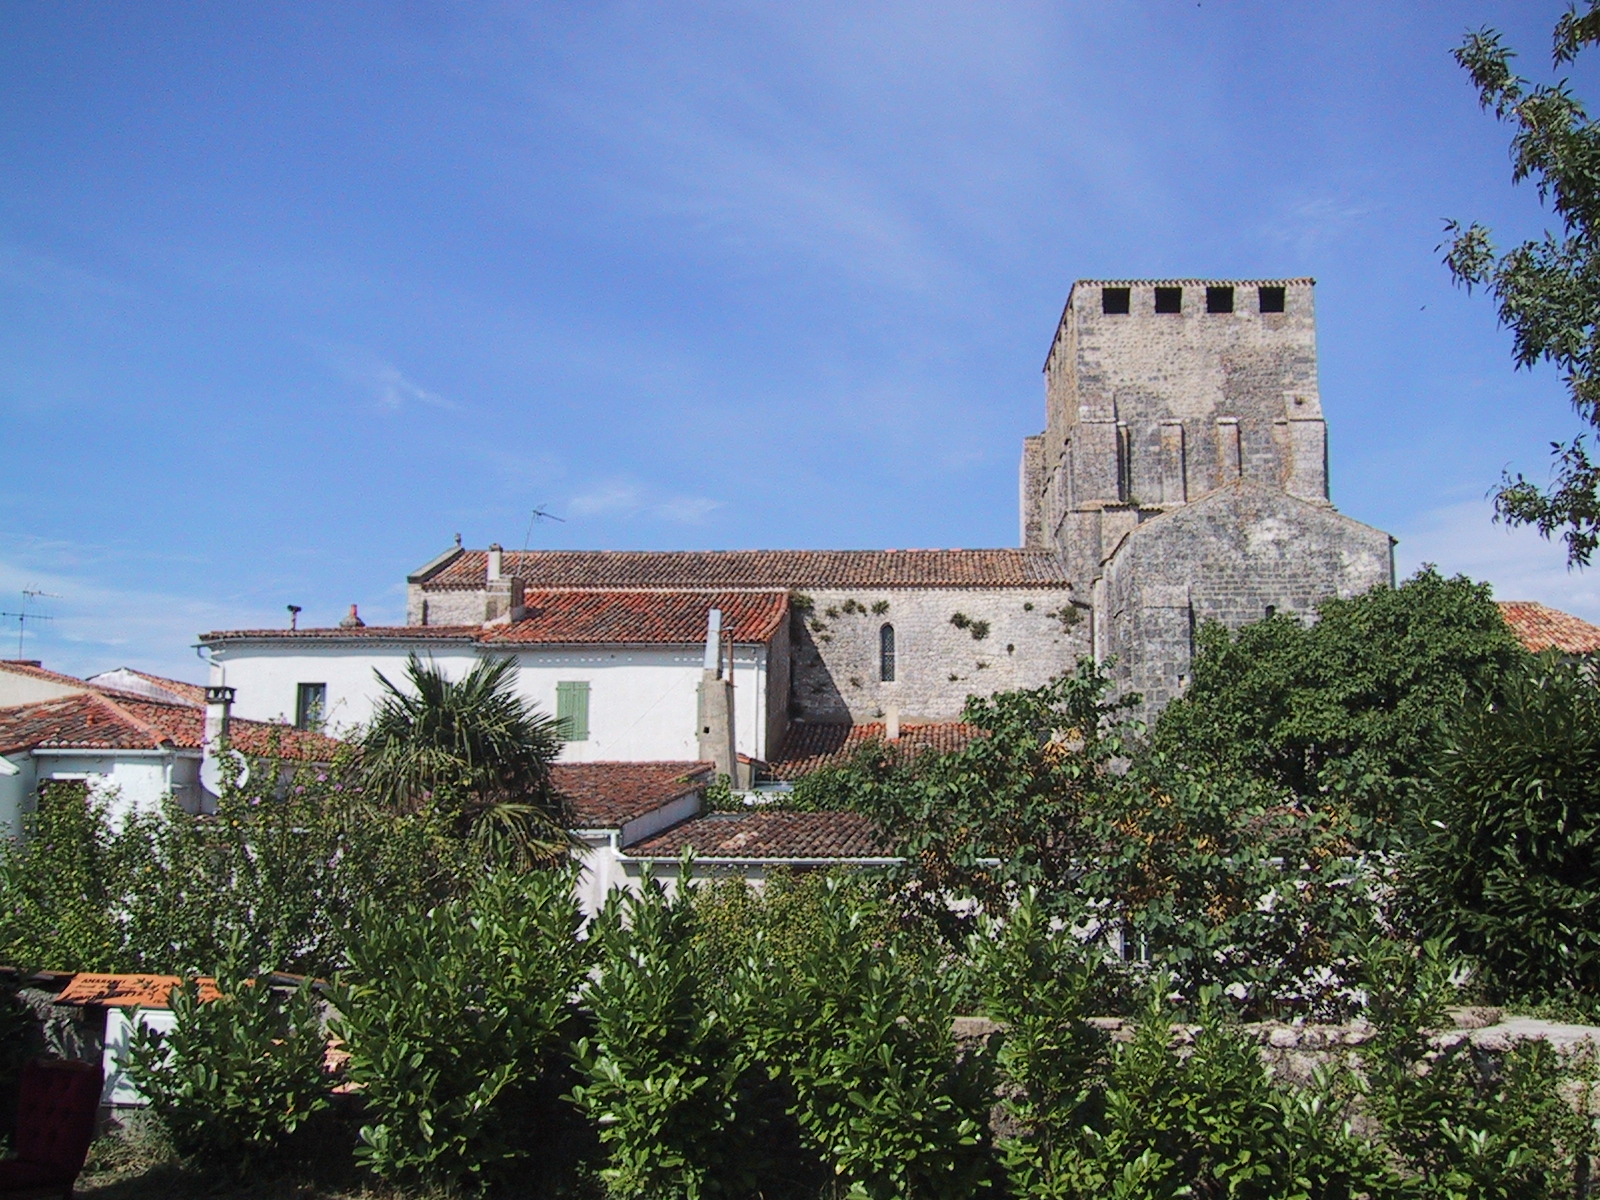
[
  {"x": 716, "y": 736},
  {"x": 219, "y": 710},
  {"x": 494, "y": 561},
  {"x": 891, "y": 722},
  {"x": 352, "y": 620}
]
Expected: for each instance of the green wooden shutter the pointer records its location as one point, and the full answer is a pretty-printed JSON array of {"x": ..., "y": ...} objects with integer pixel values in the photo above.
[{"x": 572, "y": 710}]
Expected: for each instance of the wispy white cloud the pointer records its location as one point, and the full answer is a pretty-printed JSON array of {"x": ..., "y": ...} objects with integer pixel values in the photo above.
[
  {"x": 384, "y": 382},
  {"x": 1463, "y": 539},
  {"x": 97, "y": 625},
  {"x": 1309, "y": 224},
  {"x": 620, "y": 497},
  {"x": 22, "y": 267}
]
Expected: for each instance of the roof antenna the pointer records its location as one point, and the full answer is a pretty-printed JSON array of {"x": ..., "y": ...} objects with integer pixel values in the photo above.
[
  {"x": 539, "y": 514},
  {"x": 29, "y": 595}
]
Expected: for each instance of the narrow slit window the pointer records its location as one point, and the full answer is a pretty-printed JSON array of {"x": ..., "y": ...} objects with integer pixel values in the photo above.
[
  {"x": 1219, "y": 299},
  {"x": 886, "y": 654},
  {"x": 1116, "y": 299},
  {"x": 1271, "y": 299},
  {"x": 1169, "y": 299},
  {"x": 310, "y": 704},
  {"x": 572, "y": 710}
]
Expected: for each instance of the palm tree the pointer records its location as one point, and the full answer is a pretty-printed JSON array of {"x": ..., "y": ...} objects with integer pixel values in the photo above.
[{"x": 473, "y": 751}]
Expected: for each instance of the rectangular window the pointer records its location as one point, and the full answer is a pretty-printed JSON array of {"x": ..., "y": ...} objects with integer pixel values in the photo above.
[
  {"x": 1169, "y": 299},
  {"x": 1271, "y": 299},
  {"x": 572, "y": 710},
  {"x": 310, "y": 704},
  {"x": 1115, "y": 300},
  {"x": 1219, "y": 299}
]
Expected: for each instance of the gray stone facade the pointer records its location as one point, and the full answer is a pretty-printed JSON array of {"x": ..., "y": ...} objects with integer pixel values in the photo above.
[
  {"x": 1183, "y": 469},
  {"x": 1234, "y": 556},
  {"x": 948, "y": 644}
]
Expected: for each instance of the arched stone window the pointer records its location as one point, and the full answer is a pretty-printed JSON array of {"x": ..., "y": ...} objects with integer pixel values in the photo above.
[{"x": 886, "y": 653}]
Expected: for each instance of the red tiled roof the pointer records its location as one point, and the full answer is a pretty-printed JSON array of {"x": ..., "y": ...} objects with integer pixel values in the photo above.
[
  {"x": 119, "y": 721},
  {"x": 809, "y": 748},
  {"x": 758, "y": 833},
  {"x": 641, "y": 617},
  {"x": 1541, "y": 628},
  {"x": 15, "y": 666},
  {"x": 607, "y": 795},
  {"x": 129, "y": 991},
  {"x": 758, "y": 568},
  {"x": 369, "y": 633},
  {"x": 194, "y": 693}
]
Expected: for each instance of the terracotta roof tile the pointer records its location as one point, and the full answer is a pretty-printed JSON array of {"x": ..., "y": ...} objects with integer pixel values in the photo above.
[
  {"x": 759, "y": 568},
  {"x": 1542, "y": 628},
  {"x": 755, "y": 834},
  {"x": 129, "y": 991},
  {"x": 15, "y": 666},
  {"x": 641, "y": 617},
  {"x": 365, "y": 633},
  {"x": 194, "y": 693},
  {"x": 607, "y": 795},
  {"x": 119, "y": 721},
  {"x": 809, "y": 748}
]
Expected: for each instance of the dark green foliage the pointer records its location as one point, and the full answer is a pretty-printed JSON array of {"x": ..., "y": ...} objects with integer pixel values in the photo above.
[
  {"x": 59, "y": 886},
  {"x": 1040, "y": 982},
  {"x": 237, "y": 1077},
  {"x": 1348, "y": 708},
  {"x": 455, "y": 1016},
  {"x": 861, "y": 1029},
  {"x": 1227, "y": 882},
  {"x": 687, "y": 1107},
  {"x": 1508, "y": 863},
  {"x": 1548, "y": 291},
  {"x": 1460, "y": 1121},
  {"x": 271, "y": 880},
  {"x": 473, "y": 751},
  {"x": 1005, "y": 812}
]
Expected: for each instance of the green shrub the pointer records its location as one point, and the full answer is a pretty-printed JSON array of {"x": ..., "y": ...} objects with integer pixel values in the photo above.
[
  {"x": 59, "y": 885},
  {"x": 862, "y": 1029},
  {"x": 1465, "y": 1122},
  {"x": 457, "y": 1018},
  {"x": 1508, "y": 865},
  {"x": 1207, "y": 1119},
  {"x": 238, "y": 1076},
  {"x": 1040, "y": 981},
  {"x": 685, "y": 1106}
]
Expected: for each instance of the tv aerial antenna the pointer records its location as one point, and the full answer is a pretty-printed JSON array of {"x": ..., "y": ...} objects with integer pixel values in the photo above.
[
  {"x": 541, "y": 513},
  {"x": 29, "y": 595}
]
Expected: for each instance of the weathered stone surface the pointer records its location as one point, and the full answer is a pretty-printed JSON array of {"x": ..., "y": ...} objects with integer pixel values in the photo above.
[
  {"x": 1182, "y": 472},
  {"x": 940, "y": 659}
]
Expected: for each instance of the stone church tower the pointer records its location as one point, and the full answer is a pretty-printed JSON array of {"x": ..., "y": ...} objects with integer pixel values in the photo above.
[{"x": 1183, "y": 470}]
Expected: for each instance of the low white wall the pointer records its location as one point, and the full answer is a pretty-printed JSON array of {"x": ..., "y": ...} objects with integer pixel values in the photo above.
[
  {"x": 17, "y": 781},
  {"x": 643, "y": 701},
  {"x": 266, "y": 676},
  {"x": 129, "y": 781}
]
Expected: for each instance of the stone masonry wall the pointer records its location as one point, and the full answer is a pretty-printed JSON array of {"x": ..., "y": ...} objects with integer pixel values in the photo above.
[
  {"x": 835, "y": 652},
  {"x": 1154, "y": 410},
  {"x": 1228, "y": 558}
]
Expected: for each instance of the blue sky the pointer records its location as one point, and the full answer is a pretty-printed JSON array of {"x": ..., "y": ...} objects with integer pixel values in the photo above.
[{"x": 290, "y": 294}]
